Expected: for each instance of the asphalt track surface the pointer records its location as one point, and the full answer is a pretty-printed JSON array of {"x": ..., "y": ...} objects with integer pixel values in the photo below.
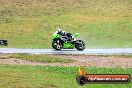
[{"x": 109, "y": 51}]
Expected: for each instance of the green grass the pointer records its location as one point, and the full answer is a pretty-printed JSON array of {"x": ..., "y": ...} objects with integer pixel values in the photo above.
[
  {"x": 40, "y": 58},
  {"x": 101, "y": 24},
  {"x": 14, "y": 76}
]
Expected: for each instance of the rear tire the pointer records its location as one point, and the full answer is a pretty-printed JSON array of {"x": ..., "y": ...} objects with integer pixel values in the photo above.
[
  {"x": 80, "y": 45},
  {"x": 56, "y": 44}
]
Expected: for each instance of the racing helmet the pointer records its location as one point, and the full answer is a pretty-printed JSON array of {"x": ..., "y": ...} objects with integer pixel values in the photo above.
[{"x": 59, "y": 30}]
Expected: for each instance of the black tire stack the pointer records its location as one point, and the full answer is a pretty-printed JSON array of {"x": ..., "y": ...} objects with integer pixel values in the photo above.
[{"x": 3, "y": 42}]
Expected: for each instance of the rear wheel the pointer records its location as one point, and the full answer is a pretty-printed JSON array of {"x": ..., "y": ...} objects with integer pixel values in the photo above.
[
  {"x": 56, "y": 44},
  {"x": 80, "y": 45}
]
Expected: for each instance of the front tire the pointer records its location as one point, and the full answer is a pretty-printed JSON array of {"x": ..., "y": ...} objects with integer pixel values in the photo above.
[
  {"x": 56, "y": 44},
  {"x": 80, "y": 45}
]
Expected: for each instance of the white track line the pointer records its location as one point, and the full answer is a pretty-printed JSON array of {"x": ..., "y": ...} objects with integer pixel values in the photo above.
[{"x": 109, "y": 51}]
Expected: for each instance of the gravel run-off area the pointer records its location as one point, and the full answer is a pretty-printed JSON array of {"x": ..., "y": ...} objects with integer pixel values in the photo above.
[{"x": 80, "y": 60}]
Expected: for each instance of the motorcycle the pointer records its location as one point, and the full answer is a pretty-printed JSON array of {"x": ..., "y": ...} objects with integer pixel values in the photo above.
[{"x": 61, "y": 42}]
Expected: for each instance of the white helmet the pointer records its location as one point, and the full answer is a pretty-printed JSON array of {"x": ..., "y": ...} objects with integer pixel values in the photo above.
[{"x": 59, "y": 30}]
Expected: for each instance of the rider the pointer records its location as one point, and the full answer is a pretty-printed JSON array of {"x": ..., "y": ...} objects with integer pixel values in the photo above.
[{"x": 63, "y": 33}]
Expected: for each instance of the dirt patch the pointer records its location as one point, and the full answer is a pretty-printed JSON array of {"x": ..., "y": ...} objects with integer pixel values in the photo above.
[
  {"x": 83, "y": 60},
  {"x": 100, "y": 61},
  {"x": 24, "y": 62}
]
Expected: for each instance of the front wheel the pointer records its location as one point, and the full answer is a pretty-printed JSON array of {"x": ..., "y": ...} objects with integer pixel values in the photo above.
[
  {"x": 80, "y": 45},
  {"x": 56, "y": 44}
]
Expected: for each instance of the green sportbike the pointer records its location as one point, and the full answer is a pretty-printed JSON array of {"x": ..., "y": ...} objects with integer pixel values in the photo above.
[{"x": 62, "y": 41}]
